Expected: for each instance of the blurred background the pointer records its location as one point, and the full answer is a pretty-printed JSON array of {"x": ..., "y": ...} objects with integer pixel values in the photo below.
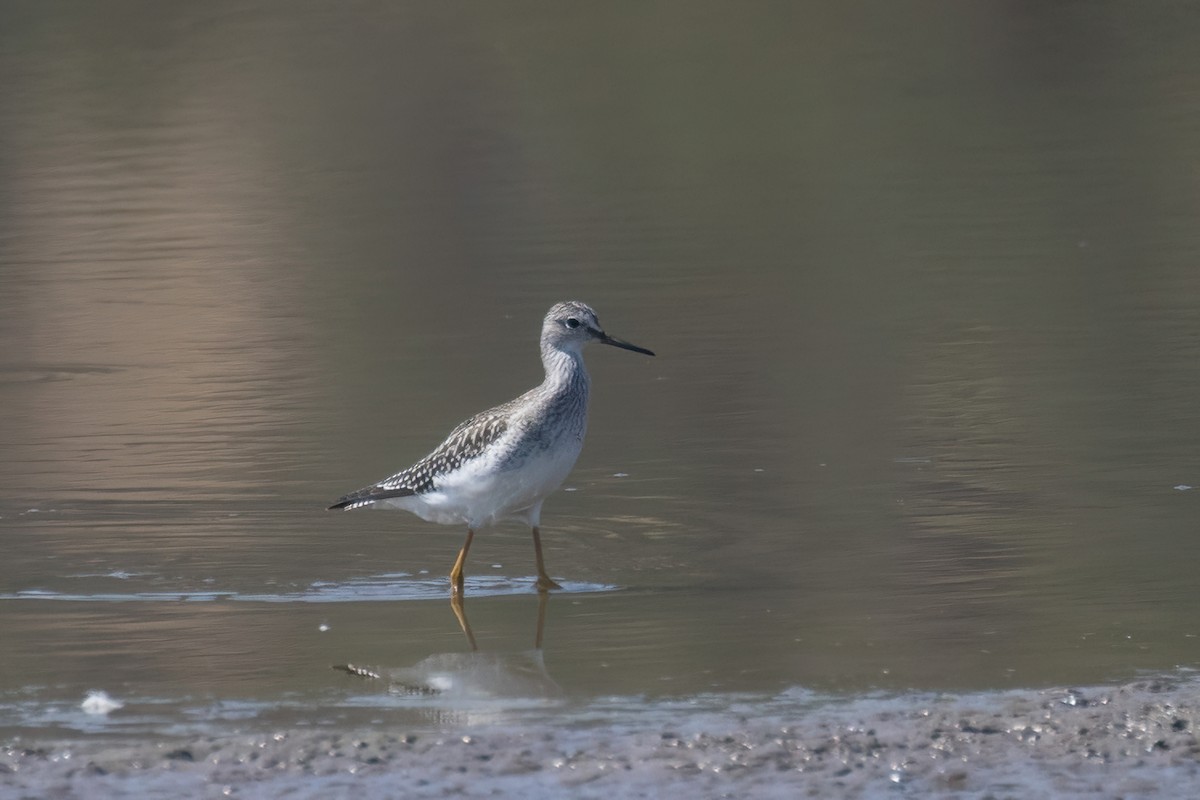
[{"x": 922, "y": 279}]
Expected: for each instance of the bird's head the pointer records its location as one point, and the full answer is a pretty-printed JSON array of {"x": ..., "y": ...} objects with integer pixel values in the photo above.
[{"x": 571, "y": 325}]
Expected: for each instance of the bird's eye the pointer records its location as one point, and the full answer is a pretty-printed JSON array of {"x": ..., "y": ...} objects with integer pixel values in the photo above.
[{"x": 572, "y": 322}]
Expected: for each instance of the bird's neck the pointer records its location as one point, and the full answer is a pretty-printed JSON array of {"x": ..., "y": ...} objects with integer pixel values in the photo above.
[{"x": 564, "y": 371}]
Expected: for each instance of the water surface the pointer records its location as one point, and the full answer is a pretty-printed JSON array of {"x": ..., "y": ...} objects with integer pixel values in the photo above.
[{"x": 926, "y": 307}]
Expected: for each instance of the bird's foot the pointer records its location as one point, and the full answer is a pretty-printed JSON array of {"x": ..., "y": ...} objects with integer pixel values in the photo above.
[{"x": 545, "y": 583}]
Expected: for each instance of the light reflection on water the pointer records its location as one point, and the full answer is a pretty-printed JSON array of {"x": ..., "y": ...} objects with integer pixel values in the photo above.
[
  {"x": 388, "y": 588},
  {"x": 923, "y": 397}
]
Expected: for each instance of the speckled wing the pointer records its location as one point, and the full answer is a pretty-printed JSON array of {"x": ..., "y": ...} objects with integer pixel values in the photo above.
[{"x": 468, "y": 441}]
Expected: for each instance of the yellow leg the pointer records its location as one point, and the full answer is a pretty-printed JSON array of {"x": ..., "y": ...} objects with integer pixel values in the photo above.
[
  {"x": 456, "y": 572},
  {"x": 544, "y": 582},
  {"x": 460, "y": 613},
  {"x": 541, "y": 619}
]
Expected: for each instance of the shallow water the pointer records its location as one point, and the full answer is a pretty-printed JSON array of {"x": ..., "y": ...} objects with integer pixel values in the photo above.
[{"x": 926, "y": 308}]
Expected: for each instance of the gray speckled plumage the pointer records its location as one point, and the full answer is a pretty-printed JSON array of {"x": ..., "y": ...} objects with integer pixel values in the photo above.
[
  {"x": 467, "y": 441},
  {"x": 503, "y": 462}
]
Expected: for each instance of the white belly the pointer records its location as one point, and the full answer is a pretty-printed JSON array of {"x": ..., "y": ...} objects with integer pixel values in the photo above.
[{"x": 481, "y": 495}]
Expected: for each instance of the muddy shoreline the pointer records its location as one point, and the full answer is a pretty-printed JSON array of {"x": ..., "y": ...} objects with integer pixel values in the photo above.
[{"x": 1133, "y": 740}]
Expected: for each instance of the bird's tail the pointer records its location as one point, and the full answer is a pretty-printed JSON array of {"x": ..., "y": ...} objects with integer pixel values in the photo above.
[{"x": 369, "y": 496}]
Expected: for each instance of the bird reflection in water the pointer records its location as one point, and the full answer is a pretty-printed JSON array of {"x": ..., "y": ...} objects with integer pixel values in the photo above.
[{"x": 473, "y": 677}]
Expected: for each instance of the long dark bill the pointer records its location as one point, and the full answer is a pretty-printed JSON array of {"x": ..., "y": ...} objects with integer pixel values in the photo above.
[{"x": 606, "y": 339}]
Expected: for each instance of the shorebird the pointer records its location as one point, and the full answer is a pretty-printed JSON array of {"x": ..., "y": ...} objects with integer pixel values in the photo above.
[{"x": 502, "y": 463}]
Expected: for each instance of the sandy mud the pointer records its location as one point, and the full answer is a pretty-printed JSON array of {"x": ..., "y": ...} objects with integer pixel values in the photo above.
[{"x": 1132, "y": 741}]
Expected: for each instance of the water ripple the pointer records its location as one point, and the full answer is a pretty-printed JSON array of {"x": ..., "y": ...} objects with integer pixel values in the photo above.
[{"x": 388, "y": 587}]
